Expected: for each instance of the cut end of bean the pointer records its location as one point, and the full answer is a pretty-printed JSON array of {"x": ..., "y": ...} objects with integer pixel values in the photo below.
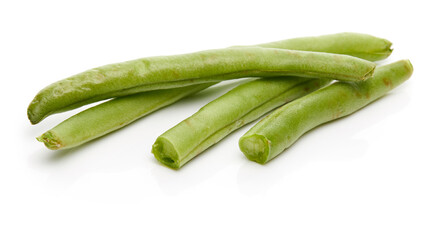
[
  {"x": 256, "y": 148},
  {"x": 165, "y": 153},
  {"x": 50, "y": 141}
]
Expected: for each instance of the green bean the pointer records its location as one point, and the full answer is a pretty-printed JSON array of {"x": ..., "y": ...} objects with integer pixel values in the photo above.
[
  {"x": 227, "y": 113},
  {"x": 115, "y": 114},
  {"x": 188, "y": 69},
  {"x": 112, "y": 115},
  {"x": 283, "y": 127},
  {"x": 354, "y": 44}
]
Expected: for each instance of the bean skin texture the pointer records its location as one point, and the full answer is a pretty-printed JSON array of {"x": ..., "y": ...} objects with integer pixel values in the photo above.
[
  {"x": 354, "y": 44},
  {"x": 217, "y": 119},
  {"x": 111, "y": 115},
  {"x": 279, "y": 130},
  {"x": 121, "y": 111},
  {"x": 165, "y": 72}
]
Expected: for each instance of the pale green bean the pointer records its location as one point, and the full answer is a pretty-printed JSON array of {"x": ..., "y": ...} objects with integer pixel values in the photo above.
[
  {"x": 111, "y": 115},
  {"x": 283, "y": 127},
  {"x": 188, "y": 69},
  {"x": 227, "y": 113},
  {"x": 354, "y": 44}
]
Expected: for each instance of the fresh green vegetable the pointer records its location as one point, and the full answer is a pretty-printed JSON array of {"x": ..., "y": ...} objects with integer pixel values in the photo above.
[
  {"x": 283, "y": 127},
  {"x": 354, "y": 44},
  {"x": 217, "y": 119},
  {"x": 112, "y": 115},
  {"x": 153, "y": 73}
]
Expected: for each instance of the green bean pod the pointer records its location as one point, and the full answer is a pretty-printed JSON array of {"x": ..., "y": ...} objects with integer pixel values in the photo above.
[
  {"x": 112, "y": 115},
  {"x": 354, "y": 44},
  {"x": 115, "y": 114},
  {"x": 217, "y": 119},
  {"x": 283, "y": 127},
  {"x": 153, "y": 73}
]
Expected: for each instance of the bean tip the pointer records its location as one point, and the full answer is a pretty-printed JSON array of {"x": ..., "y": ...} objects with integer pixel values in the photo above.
[
  {"x": 408, "y": 65},
  {"x": 31, "y": 116},
  {"x": 50, "y": 141},
  {"x": 370, "y": 73}
]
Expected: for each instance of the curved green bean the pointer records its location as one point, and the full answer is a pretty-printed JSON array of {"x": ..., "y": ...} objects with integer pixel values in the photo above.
[
  {"x": 354, "y": 44},
  {"x": 217, "y": 119},
  {"x": 283, "y": 127},
  {"x": 112, "y": 115},
  {"x": 188, "y": 69}
]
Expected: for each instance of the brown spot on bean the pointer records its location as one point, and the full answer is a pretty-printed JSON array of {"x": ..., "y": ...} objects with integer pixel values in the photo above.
[
  {"x": 337, "y": 114},
  {"x": 187, "y": 121},
  {"x": 175, "y": 73},
  {"x": 387, "y": 82}
]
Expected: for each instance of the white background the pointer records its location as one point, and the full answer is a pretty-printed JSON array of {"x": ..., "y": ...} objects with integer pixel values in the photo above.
[{"x": 378, "y": 174}]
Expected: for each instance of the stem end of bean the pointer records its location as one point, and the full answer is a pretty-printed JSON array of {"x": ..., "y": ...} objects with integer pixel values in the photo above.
[{"x": 389, "y": 48}]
